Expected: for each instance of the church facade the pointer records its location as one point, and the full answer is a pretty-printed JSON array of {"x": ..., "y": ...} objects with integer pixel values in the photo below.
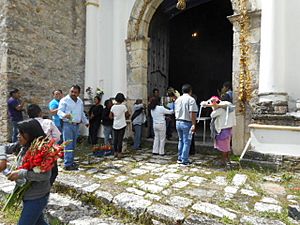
[{"x": 132, "y": 46}]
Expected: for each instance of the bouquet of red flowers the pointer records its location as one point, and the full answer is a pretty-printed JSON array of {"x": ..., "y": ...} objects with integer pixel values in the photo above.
[
  {"x": 42, "y": 155},
  {"x": 40, "y": 158}
]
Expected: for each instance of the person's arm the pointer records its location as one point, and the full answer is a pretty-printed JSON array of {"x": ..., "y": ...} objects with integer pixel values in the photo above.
[
  {"x": 20, "y": 107},
  {"x": 55, "y": 133},
  {"x": 193, "y": 116},
  {"x": 62, "y": 109},
  {"x": 53, "y": 108},
  {"x": 193, "y": 109},
  {"x": 53, "y": 111},
  {"x": 168, "y": 111},
  {"x": 127, "y": 114},
  {"x": 3, "y": 158},
  {"x": 29, "y": 175},
  {"x": 111, "y": 115},
  {"x": 84, "y": 120}
]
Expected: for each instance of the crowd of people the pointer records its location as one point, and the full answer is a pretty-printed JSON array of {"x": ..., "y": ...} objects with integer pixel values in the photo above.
[{"x": 178, "y": 112}]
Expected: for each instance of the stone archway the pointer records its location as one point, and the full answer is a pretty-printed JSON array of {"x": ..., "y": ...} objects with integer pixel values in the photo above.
[
  {"x": 137, "y": 47},
  {"x": 137, "y": 57}
]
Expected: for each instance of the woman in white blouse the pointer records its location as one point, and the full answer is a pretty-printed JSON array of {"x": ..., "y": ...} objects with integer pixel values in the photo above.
[{"x": 159, "y": 125}]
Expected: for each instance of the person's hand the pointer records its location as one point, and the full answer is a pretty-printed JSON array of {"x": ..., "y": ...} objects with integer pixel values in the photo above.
[
  {"x": 204, "y": 103},
  {"x": 14, "y": 175},
  {"x": 2, "y": 165},
  {"x": 193, "y": 129}
]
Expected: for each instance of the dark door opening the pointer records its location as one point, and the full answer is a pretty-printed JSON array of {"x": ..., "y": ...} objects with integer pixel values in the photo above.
[{"x": 191, "y": 46}]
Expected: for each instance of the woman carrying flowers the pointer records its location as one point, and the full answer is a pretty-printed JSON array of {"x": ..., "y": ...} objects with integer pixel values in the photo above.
[{"x": 36, "y": 194}]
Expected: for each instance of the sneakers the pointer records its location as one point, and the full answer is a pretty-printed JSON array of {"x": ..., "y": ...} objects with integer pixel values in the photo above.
[
  {"x": 74, "y": 166},
  {"x": 179, "y": 161},
  {"x": 119, "y": 155},
  {"x": 228, "y": 165},
  {"x": 186, "y": 164}
]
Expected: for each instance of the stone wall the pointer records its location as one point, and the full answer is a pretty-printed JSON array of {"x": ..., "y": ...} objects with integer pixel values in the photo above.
[
  {"x": 46, "y": 48},
  {"x": 3, "y": 72}
]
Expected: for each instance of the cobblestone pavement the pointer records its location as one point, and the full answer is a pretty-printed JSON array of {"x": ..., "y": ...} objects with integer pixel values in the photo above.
[{"x": 144, "y": 189}]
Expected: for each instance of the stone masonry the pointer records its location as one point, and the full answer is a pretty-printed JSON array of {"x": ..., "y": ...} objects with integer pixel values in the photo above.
[{"x": 42, "y": 48}]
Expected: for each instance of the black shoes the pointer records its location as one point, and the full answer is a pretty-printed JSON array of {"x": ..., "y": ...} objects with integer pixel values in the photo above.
[{"x": 74, "y": 166}]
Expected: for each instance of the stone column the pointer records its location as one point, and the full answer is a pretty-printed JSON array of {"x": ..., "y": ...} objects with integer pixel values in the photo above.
[
  {"x": 91, "y": 47},
  {"x": 272, "y": 95},
  {"x": 137, "y": 53}
]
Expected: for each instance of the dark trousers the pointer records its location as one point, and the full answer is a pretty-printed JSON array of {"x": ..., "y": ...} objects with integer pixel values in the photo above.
[
  {"x": 192, "y": 148},
  {"x": 150, "y": 126},
  {"x": 118, "y": 139},
  {"x": 170, "y": 124},
  {"x": 32, "y": 212},
  {"x": 54, "y": 173},
  {"x": 93, "y": 132}
]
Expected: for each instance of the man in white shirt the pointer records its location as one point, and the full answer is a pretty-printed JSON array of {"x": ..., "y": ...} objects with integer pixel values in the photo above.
[
  {"x": 70, "y": 110},
  {"x": 185, "y": 114}
]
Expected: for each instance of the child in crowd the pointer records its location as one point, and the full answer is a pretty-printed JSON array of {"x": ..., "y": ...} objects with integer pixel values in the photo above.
[
  {"x": 159, "y": 125},
  {"x": 107, "y": 122},
  {"x": 119, "y": 114}
]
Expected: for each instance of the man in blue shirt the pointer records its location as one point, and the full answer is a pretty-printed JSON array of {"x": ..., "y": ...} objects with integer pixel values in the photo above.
[
  {"x": 70, "y": 110},
  {"x": 15, "y": 108},
  {"x": 53, "y": 106}
]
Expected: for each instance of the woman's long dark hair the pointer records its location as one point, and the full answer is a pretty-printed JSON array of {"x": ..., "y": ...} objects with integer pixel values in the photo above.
[
  {"x": 33, "y": 130},
  {"x": 154, "y": 101}
]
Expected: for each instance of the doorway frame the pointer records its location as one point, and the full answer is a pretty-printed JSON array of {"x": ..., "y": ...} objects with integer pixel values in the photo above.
[{"x": 137, "y": 60}]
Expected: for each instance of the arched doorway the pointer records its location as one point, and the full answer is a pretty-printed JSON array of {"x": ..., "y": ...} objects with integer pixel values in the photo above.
[{"x": 137, "y": 46}]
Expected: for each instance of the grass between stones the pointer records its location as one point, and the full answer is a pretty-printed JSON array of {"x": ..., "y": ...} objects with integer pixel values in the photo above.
[
  {"x": 9, "y": 217},
  {"x": 283, "y": 216}
]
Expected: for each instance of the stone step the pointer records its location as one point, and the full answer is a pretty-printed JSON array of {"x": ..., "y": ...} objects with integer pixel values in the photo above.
[
  {"x": 63, "y": 209},
  {"x": 147, "y": 189},
  {"x": 66, "y": 210}
]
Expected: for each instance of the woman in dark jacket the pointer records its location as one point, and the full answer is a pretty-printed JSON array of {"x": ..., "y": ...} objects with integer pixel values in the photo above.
[
  {"x": 36, "y": 197},
  {"x": 95, "y": 116}
]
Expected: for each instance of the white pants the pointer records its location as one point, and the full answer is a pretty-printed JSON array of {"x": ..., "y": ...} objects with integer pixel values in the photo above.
[{"x": 159, "y": 138}]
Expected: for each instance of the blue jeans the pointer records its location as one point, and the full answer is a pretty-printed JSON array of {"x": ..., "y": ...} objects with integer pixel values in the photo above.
[
  {"x": 32, "y": 212},
  {"x": 107, "y": 131},
  {"x": 70, "y": 132},
  {"x": 183, "y": 130},
  {"x": 15, "y": 131},
  {"x": 137, "y": 136}
]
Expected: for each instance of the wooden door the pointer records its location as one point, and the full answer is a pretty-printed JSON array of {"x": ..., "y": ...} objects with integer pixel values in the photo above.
[{"x": 158, "y": 54}]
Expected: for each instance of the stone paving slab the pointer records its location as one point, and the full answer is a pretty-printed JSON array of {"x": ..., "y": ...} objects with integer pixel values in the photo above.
[{"x": 159, "y": 189}]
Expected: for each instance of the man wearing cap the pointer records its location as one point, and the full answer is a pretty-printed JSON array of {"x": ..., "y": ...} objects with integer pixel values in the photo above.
[{"x": 185, "y": 114}]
